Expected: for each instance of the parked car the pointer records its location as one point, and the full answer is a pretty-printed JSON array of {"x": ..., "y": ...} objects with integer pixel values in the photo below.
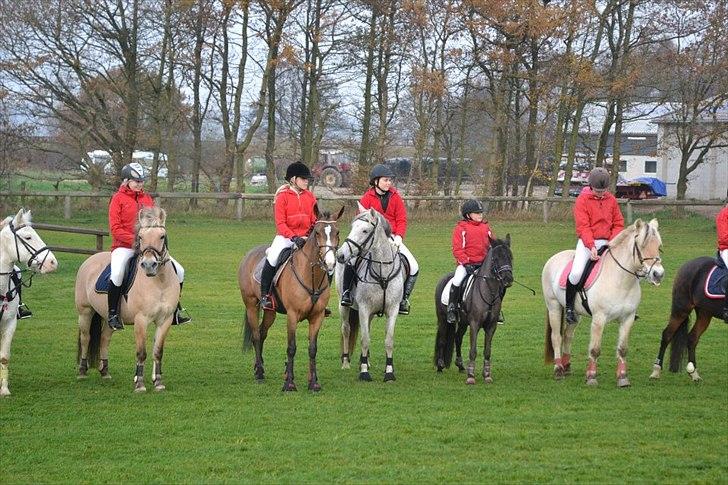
[
  {"x": 145, "y": 158},
  {"x": 259, "y": 180}
]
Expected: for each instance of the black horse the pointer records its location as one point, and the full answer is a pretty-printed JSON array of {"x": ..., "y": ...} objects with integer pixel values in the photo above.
[
  {"x": 688, "y": 294},
  {"x": 480, "y": 309}
]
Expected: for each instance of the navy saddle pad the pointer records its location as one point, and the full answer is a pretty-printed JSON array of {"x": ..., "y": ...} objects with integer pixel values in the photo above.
[{"x": 102, "y": 284}]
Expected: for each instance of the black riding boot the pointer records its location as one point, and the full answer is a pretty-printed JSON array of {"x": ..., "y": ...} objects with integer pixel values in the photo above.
[
  {"x": 23, "y": 310},
  {"x": 180, "y": 314},
  {"x": 114, "y": 296},
  {"x": 266, "y": 281},
  {"x": 453, "y": 306},
  {"x": 725, "y": 304},
  {"x": 570, "y": 297},
  {"x": 409, "y": 284},
  {"x": 346, "y": 285},
  {"x": 501, "y": 318}
]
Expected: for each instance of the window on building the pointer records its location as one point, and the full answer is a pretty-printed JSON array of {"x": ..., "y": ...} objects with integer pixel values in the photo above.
[
  {"x": 623, "y": 166},
  {"x": 650, "y": 166}
]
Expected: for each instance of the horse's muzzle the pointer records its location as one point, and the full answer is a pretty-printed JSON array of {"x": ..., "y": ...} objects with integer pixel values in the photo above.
[
  {"x": 150, "y": 267},
  {"x": 656, "y": 275}
]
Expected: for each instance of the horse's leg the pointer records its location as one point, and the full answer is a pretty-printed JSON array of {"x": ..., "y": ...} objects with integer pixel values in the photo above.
[
  {"x": 595, "y": 349},
  {"x": 554, "y": 317},
  {"x": 487, "y": 346},
  {"x": 252, "y": 317},
  {"x": 567, "y": 339},
  {"x": 6, "y": 338},
  {"x": 84, "y": 338},
  {"x": 389, "y": 346},
  {"x": 104, "y": 343},
  {"x": 701, "y": 324},
  {"x": 365, "y": 321},
  {"x": 289, "y": 384},
  {"x": 474, "y": 327},
  {"x": 345, "y": 334},
  {"x": 314, "y": 325},
  {"x": 140, "y": 336},
  {"x": 622, "y": 343},
  {"x": 158, "y": 351},
  {"x": 676, "y": 320},
  {"x": 461, "y": 329}
]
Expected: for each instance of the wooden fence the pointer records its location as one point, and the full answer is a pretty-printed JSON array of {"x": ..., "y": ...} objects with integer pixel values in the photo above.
[
  {"x": 99, "y": 234},
  {"x": 629, "y": 206}
]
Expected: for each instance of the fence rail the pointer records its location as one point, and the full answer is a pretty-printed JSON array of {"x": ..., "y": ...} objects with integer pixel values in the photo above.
[
  {"x": 240, "y": 198},
  {"x": 75, "y": 230}
]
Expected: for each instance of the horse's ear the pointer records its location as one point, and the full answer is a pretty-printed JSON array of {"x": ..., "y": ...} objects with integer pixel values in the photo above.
[
  {"x": 341, "y": 211},
  {"x": 508, "y": 239},
  {"x": 162, "y": 216},
  {"x": 18, "y": 219},
  {"x": 638, "y": 224},
  {"x": 316, "y": 211},
  {"x": 360, "y": 208},
  {"x": 654, "y": 224}
]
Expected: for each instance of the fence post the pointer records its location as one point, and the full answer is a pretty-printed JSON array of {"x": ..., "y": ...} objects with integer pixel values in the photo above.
[
  {"x": 239, "y": 208},
  {"x": 160, "y": 201},
  {"x": 629, "y": 212},
  {"x": 67, "y": 207},
  {"x": 22, "y": 193},
  {"x": 99, "y": 242},
  {"x": 546, "y": 210}
]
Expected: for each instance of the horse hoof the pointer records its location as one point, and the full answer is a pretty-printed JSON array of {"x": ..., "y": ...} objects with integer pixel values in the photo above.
[
  {"x": 160, "y": 387},
  {"x": 591, "y": 381},
  {"x": 695, "y": 377},
  {"x": 140, "y": 388},
  {"x": 656, "y": 371},
  {"x": 439, "y": 369},
  {"x": 106, "y": 376},
  {"x": 567, "y": 369},
  {"x": 289, "y": 387},
  {"x": 488, "y": 380},
  {"x": 346, "y": 365},
  {"x": 365, "y": 376},
  {"x": 559, "y": 373},
  {"x": 389, "y": 376},
  {"x": 4, "y": 392},
  {"x": 315, "y": 387},
  {"x": 81, "y": 377},
  {"x": 623, "y": 381},
  {"x": 470, "y": 381}
]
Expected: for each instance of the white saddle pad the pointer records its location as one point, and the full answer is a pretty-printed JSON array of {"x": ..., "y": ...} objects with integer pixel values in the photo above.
[{"x": 445, "y": 297}]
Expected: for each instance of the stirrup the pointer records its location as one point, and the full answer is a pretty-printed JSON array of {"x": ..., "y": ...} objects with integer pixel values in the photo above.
[
  {"x": 266, "y": 303},
  {"x": 181, "y": 317},
  {"x": 24, "y": 312},
  {"x": 452, "y": 313},
  {"x": 404, "y": 307},
  {"x": 501, "y": 319},
  {"x": 114, "y": 322},
  {"x": 570, "y": 316},
  {"x": 346, "y": 298}
]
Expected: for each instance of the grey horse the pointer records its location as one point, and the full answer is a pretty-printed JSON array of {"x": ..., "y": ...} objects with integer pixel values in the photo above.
[{"x": 378, "y": 290}]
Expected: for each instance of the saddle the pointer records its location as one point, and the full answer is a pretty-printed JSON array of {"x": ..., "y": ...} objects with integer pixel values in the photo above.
[
  {"x": 468, "y": 285},
  {"x": 715, "y": 282},
  {"x": 588, "y": 277},
  {"x": 283, "y": 260},
  {"x": 102, "y": 283}
]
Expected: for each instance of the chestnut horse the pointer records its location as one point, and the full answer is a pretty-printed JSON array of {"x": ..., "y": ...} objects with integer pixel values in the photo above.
[
  {"x": 302, "y": 287},
  {"x": 19, "y": 243},
  {"x": 152, "y": 297},
  {"x": 631, "y": 256},
  {"x": 688, "y": 294}
]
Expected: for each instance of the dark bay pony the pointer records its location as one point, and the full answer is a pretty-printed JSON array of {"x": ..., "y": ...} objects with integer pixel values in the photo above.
[
  {"x": 152, "y": 298},
  {"x": 688, "y": 294},
  {"x": 480, "y": 309},
  {"x": 303, "y": 289}
]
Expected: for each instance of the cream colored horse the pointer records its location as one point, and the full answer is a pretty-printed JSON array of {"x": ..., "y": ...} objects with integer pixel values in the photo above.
[
  {"x": 633, "y": 255},
  {"x": 19, "y": 244},
  {"x": 153, "y": 297}
]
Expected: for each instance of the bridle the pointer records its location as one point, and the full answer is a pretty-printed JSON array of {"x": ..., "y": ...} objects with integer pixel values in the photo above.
[
  {"x": 160, "y": 257},
  {"x": 496, "y": 273},
  {"x": 365, "y": 245},
  {"x": 636, "y": 253},
  {"x": 316, "y": 290}
]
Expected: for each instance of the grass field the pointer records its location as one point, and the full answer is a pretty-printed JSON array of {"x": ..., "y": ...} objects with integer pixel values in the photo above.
[{"x": 215, "y": 424}]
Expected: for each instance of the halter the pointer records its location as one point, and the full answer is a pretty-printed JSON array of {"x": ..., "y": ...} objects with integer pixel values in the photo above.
[
  {"x": 638, "y": 254},
  {"x": 160, "y": 257}
]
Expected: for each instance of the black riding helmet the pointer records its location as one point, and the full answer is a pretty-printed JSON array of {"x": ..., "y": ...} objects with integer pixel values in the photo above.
[
  {"x": 379, "y": 170},
  {"x": 133, "y": 171},
  {"x": 471, "y": 206},
  {"x": 298, "y": 169},
  {"x": 599, "y": 178}
]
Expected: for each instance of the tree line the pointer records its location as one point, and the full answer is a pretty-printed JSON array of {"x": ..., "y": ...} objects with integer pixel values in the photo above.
[{"x": 504, "y": 83}]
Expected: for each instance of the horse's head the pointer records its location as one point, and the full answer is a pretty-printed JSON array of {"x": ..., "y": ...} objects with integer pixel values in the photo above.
[
  {"x": 151, "y": 239},
  {"x": 501, "y": 260},
  {"x": 362, "y": 235},
  {"x": 647, "y": 247},
  {"x": 19, "y": 240},
  {"x": 325, "y": 236}
]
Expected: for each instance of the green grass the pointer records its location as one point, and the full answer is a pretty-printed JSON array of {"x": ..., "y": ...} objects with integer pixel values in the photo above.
[{"x": 215, "y": 424}]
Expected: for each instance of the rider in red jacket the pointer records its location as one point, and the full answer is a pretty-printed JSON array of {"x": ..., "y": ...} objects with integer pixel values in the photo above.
[
  {"x": 721, "y": 224},
  {"x": 385, "y": 199},
  {"x": 598, "y": 220},
  {"x": 123, "y": 210},
  {"x": 470, "y": 243},
  {"x": 293, "y": 208}
]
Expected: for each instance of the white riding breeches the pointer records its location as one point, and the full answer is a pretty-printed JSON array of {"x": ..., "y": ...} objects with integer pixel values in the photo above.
[
  {"x": 414, "y": 267},
  {"x": 276, "y": 247},
  {"x": 460, "y": 274},
  {"x": 121, "y": 256},
  {"x": 581, "y": 257},
  {"x": 724, "y": 257}
]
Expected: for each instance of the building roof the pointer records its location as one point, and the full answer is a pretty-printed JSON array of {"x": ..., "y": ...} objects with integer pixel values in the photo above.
[{"x": 638, "y": 118}]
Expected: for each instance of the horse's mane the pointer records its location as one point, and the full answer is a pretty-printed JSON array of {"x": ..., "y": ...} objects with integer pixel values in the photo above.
[
  {"x": 380, "y": 217},
  {"x": 646, "y": 231},
  {"x": 5, "y": 221},
  {"x": 150, "y": 216}
]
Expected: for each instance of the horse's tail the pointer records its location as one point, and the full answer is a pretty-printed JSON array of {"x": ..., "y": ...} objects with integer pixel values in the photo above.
[
  {"x": 679, "y": 346},
  {"x": 94, "y": 344},
  {"x": 449, "y": 348},
  {"x": 247, "y": 333},
  {"x": 353, "y": 331},
  {"x": 548, "y": 345}
]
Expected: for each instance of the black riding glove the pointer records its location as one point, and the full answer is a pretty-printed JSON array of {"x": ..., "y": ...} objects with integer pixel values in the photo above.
[{"x": 298, "y": 241}]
